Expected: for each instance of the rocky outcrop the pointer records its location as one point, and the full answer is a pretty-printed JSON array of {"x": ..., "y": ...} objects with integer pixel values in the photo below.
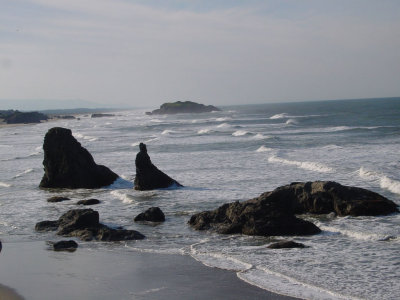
[
  {"x": 273, "y": 213},
  {"x": 286, "y": 245},
  {"x": 182, "y": 107},
  {"x": 65, "y": 245},
  {"x": 323, "y": 197},
  {"x": 88, "y": 202},
  {"x": 57, "y": 199},
  {"x": 68, "y": 165},
  {"x": 25, "y": 117},
  {"x": 101, "y": 115},
  {"x": 84, "y": 224},
  {"x": 153, "y": 214},
  {"x": 148, "y": 176}
]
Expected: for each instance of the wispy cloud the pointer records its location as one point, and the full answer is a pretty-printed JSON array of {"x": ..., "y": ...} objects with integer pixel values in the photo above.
[{"x": 133, "y": 52}]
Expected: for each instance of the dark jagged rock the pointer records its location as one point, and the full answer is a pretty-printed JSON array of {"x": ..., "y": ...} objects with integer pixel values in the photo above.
[
  {"x": 182, "y": 107},
  {"x": 286, "y": 244},
  {"x": 273, "y": 213},
  {"x": 47, "y": 226},
  {"x": 101, "y": 115},
  {"x": 148, "y": 176},
  {"x": 323, "y": 197},
  {"x": 25, "y": 117},
  {"x": 68, "y": 165},
  {"x": 57, "y": 199},
  {"x": 84, "y": 224},
  {"x": 264, "y": 217},
  {"x": 153, "y": 214},
  {"x": 70, "y": 245},
  {"x": 88, "y": 202}
]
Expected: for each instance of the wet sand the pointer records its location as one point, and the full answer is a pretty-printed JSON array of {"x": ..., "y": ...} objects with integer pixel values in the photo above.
[{"x": 106, "y": 272}]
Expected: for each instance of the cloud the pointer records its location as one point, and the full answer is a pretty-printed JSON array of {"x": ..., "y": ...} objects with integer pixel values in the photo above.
[{"x": 135, "y": 53}]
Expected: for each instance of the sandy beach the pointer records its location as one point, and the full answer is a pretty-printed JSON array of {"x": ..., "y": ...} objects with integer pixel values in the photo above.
[{"x": 31, "y": 270}]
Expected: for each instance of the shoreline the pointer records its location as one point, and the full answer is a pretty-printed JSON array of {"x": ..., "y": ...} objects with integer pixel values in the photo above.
[{"x": 105, "y": 271}]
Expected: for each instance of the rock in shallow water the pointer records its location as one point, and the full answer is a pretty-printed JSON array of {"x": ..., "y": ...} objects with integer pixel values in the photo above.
[
  {"x": 68, "y": 165},
  {"x": 286, "y": 244},
  {"x": 57, "y": 199},
  {"x": 88, "y": 202},
  {"x": 65, "y": 245},
  {"x": 273, "y": 213},
  {"x": 153, "y": 214},
  {"x": 148, "y": 176},
  {"x": 84, "y": 223}
]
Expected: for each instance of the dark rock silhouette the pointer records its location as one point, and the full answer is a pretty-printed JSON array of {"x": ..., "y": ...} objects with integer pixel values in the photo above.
[
  {"x": 273, "y": 213},
  {"x": 180, "y": 107},
  {"x": 25, "y": 117},
  {"x": 153, "y": 214},
  {"x": 65, "y": 245},
  {"x": 88, "y": 202},
  {"x": 148, "y": 176},
  {"x": 57, "y": 199},
  {"x": 323, "y": 197},
  {"x": 286, "y": 244},
  {"x": 84, "y": 224},
  {"x": 68, "y": 165}
]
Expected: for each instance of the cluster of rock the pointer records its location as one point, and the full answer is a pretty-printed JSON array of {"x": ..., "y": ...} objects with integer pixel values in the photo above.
[
  {"x": 98, "y": 115},
  {"x": 180, "y": 107},
  {"x": 84, "y": 224},
  {"x": 273, "y": 213},
  {"x": 17, "y": 117}
]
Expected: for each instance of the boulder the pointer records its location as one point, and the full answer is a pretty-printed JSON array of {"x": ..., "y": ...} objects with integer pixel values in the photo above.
[
  {"x": 148, "y": 176},
  {"x": 286, "y": 244},
  {"x": 179, "y": 107},
  {"x": 65, "y": 245},
  {"x": 84, "y": 224},
  {"x": 57, "y": 199},
  {"x": 254, "y": 217},
  {"x": 324, "y": 197},
  {"x": 68, "y": 165},
  {"x": 88, "y": 202},
  {"x": 153, "y": 214}
]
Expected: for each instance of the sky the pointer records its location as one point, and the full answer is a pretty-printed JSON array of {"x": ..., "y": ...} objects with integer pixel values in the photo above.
[{"x": 144, "y": 53}]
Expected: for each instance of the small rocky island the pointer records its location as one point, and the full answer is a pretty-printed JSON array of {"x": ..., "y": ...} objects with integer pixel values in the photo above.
[
  {"x": 274, "y": 213},
  {"x": 68, "y": 165},
  {"x": 180, "y": 107},
  {"x": 148, "y": 176},
  {"x": 17, "y": 117}
]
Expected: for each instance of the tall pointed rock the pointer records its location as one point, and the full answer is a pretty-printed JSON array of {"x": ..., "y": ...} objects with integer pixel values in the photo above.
[
  {"x": 148, "y": 176},
  {"x": 68, "y": 165}
]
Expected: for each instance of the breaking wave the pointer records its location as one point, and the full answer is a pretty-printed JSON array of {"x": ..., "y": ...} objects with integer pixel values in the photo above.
[
  {"x": 384, "y": 181},
  {"x": 23, "y": 173},
  {"x": 240, "y": 133},
  {"x": 306, "y": 165},
  {"x": 264, "y": 149}
]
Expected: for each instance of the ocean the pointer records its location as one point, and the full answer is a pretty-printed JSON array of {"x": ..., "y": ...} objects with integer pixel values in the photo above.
[{"x": 227, "y": 156}]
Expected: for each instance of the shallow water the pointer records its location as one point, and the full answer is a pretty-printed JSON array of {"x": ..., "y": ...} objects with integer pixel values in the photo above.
[{"x": 226, "y": 156}]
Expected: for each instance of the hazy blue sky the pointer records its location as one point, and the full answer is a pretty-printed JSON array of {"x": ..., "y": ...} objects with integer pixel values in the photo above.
[{"x": 143, "y": 53}]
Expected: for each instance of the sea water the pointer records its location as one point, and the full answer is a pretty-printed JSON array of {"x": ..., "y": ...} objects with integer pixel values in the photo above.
[{"x": 227, "y": 156}]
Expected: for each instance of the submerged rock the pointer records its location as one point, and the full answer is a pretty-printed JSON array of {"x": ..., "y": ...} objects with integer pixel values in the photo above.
[
  {"x": 286, "y": 244},
  {"x": 65, "y": 245},
  {"x": 148, "y": 176},
  {"x": 57, "y": 199},
  {"x": 84, "y": 224},
  {"x": 153, "y": 214},
  {"x": 88, "y": 202},
  {"x": 179, "y": 107},
  {"x": 68, "y": 165}
]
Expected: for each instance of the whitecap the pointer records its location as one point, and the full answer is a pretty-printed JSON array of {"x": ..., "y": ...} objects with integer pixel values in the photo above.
[
  {"x": 3, "y": 184},
  {"x": 23, "y": 173},
  {"x": 223, "y": 125},
  {"x": 239, "y": 133},
  {"x": 260, "y": 136},
  {"x": 291, "y": 122},
  {"x": 223, "y": 119},
  {"x": 384, "y": 181},
  {"x": 204, "y": 131},
  {"x": 307, "y": 165},
  {"x": 124, "y": 197},
  {"x": 167, "y": 132},
  {"x": 279, "y": 116},
  {"x": 264, "y": 149}
]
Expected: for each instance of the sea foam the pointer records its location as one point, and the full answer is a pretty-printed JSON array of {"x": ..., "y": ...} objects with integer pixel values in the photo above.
[
  {"x": 307, "y": 165},
  {"x": 384, "y": 181},
  {"x": 264, "y": 149},
  {"x": 240, "y": 133}
]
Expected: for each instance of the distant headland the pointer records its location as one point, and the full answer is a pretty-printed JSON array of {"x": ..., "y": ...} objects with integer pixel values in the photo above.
[{"x": 180, "y": 107}]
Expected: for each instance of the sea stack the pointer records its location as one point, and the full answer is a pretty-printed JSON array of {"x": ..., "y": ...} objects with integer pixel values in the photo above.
[
  {"x": 148, "y": 176},
  {"x": 68, "y": 165}
]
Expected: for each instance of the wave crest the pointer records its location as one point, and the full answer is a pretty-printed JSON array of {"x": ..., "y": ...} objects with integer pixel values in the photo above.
[{"x": 306, "y": 165}]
